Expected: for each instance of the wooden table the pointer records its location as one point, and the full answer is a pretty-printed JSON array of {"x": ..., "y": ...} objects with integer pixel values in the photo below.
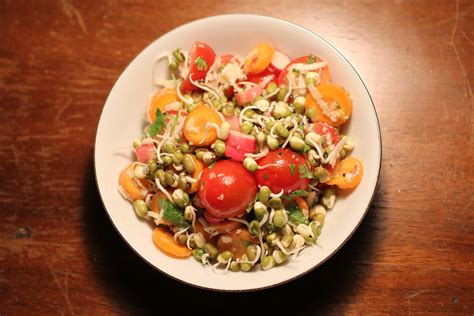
[{"x": 59, "y": 254}]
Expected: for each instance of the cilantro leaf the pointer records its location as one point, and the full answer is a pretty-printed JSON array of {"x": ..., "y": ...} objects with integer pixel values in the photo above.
[
  {"x": 157, "y": 125},
  {"x": 294, "y": 194},
  {"x": 311, "y": 59},
  {"x": 296, "y": 216},
  {"x": 292, "y": 169},
  {"x": 201, "y": 64},
  {"x": 305, "y": 173},
  {"x": 172, "y": 214}
]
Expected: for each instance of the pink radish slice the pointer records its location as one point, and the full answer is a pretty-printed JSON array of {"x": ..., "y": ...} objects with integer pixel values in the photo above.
[
  {"x": 279, "y": 61},
  {"x": 241, "y": 141},
  {"x": 234, "y": 123},
  {"x": 248, "y": 95},
  {"x": 234, "y": 153},
  {"x": 145, "y": 152}
]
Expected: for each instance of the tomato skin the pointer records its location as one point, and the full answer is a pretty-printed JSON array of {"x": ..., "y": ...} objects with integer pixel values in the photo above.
[
  {"x": 204, "y": 51},
  {"x": 324, "y": 76},
  {"x": 259, "y": 59},
  {"x": 349, "y": 165},
  {"x": 227, "y": 189},
  {"x": 324, "y": 129},
  {"x": 282, "y": 177},
  {"x": 263, "y": 78}
]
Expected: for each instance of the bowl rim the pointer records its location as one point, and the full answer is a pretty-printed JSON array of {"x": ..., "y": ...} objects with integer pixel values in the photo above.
[{"x": 379, "y": 136}]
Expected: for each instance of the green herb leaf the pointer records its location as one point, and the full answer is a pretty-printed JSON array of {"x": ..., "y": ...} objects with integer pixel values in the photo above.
[
  {"x": 157, "y": 125},
  {"x": 292, "y": 169},
  {"x": 294, "y": 194},
  {"x": 296, "y": 216},
  {"x": 201, "y": 64},
  {"x": 172, "y": 214},
  {"x": 311, "y": 59},
  {"x": 305, "y": 173}
]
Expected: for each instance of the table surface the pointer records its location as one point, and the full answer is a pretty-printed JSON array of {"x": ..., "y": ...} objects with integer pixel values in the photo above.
[{"x": 59, "y": 254}]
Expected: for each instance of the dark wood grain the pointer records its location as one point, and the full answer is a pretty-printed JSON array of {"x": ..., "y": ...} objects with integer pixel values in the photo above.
[{"x": 59, "y": 254}]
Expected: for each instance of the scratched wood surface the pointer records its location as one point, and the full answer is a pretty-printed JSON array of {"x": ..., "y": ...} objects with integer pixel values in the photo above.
[{"x": 59, "y": 254}]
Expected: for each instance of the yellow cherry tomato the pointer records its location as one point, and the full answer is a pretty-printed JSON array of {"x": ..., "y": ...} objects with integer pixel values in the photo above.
[
  {"x": 337, "y": 100},
  {"x": 259, "y": 59},
  {"x": 348, "y": 173},
  {"x": 194, "y": 129},
  {"x": 160, "y": 100}
]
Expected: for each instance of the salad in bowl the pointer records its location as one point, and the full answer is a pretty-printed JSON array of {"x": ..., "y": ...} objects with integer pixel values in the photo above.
[{"x": 241, "y": 157}]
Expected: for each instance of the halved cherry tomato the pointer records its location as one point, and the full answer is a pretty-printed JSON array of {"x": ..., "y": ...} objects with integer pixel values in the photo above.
[
  {"x": 200, "y": 60},
  {"x": 338, "y": 101},
  {"x": 348, "y": 173},
  {"x": 326, "y": 130},
  {"x": 262, "y": 79},
  {"x": 160, "y": 100},
  {"x": 227, "y": 189},
  {"x": 236, "y": 242},
  {"x": 194, "y": 129},
  {"x": 286, "y": 175},
  {"x": 324, "y": 74},
  {"x": 129, "y": 183},
  {"x": 259, "y": 59},
  {"x": 229, "y": 58},
  {"x": 164, "y": 241}
]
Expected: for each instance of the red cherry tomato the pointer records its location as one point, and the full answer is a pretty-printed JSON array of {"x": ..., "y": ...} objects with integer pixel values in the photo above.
[
  {"x": 324, "y": 75},
  {"x": 263, "y": 78},
  {"x": 200, "y": 60},
  {"x": 227, "y": 189},
  {"x": 326, "y": 130},
  {"x": 286, "y": 175},
  {"x": 229, "y": 58}
]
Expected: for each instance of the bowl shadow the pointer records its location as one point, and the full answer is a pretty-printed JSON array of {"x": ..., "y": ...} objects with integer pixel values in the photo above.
[{"x": 133, "y": 286}]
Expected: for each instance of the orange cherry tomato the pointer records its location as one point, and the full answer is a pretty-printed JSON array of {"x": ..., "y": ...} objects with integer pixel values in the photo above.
[
  {"x": 226, "y": 227},
  {"x": 195, "y": 125},
  {"x": 160, "y": 100},
  {"x": 348, "y": 173},
  {"x": 164, "y": 241},
  {"x": 236, "y": 241},
  {"x": 337, "y": 100},
  {"x": 259, "y": 59},
  {"x": 131, "y": 185}
]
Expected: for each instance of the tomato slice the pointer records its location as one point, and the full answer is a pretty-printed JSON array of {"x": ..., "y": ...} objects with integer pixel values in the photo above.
[
  {"x": 201, "y": 58},
  {"x": 259, "y": 59},
  {"x": 337, "y": 100},
  {"x": 229, "y": 58},
  {"x": 227, "y": 189},
  {"x": 286, "y": 174},
  {"x": 263, "y": 78},
  {"x": 326, "y": 130},
  {"x": 323, "y": 72},
  {"x": 348, "y": 173}
]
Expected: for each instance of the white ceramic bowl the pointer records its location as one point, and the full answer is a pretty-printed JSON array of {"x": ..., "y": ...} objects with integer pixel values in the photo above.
[{"x": 122, "y": 121}]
